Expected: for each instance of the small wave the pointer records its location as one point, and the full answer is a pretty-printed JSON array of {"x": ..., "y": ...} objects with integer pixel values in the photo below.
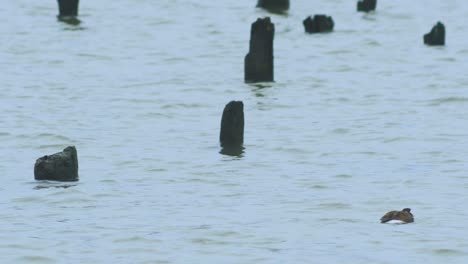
[
  {"x": 51, "y": 146},
  {"x": 28, "y": 199},
  {"x": 348, "y": 220},
  {"x": 463, "y": 51},
  {"x": 397, "y": 139},
  {"x": 340, "y": 131},
  {"x": 94, "y": 56},
  {"x": 319, "y": 187},
  {"x": 132, "y": 239},
  {"x": 344, "y": 68},
  {"x": 53, "y": 136},
  {"x": 226, "y": 234},
  {"x": 449, "y": 59},
  {"x": 343, "y": 176},
  {"x": 343, "y": 220},
  {"x": 445, "y": 251},
  {"x": 207, "y": 241},
  {"x": 340, "y": 51},
  {"x": 182, "y": 105},
  {"x": 448, "y": 100},
  {"x": 335, "y": 205},
  {"x": 373, "y": 43},
  {"x": 35, "y": 259}
]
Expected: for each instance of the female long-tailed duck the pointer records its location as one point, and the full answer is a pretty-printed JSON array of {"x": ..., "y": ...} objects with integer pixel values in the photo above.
[{"x": 398, "y": 217}]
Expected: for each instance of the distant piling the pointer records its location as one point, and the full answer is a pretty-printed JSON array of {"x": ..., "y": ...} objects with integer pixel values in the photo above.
[
  {"x": 319, "y": 24},
  {"x": 61, "y": 166},
  {"x": 258, "y": 63},
  {"x": 231, "y": 135},
  {"x": 68, "y": 11},
  {"x": 437, "y": 35},
  {"x": 276, "y": 6},
  {"x": 366, "y": 5}
]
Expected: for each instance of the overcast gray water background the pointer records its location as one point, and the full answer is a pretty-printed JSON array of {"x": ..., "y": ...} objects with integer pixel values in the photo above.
[{"x": 360, "y": 121}]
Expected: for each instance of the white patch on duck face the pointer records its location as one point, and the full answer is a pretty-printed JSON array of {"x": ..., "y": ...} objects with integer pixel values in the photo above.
[{"x": 396, "y": 222}]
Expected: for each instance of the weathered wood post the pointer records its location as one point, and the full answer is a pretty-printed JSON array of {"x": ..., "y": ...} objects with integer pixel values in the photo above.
[
  {"x": 437, "y": 35},
  {"x": 366, "y": 5},
  {"x": 274, "y": 5},
  {"x": 258, "y": 63},
  {"x": 319, "y": 24},
  {"x": 231, "y": 135},
  {"x": 68, "y": 11},
  {"x": 61, "y": 166}
]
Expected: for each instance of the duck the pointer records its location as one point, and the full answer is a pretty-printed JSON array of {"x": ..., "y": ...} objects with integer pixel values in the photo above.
[{"x": 398, "y": 217}]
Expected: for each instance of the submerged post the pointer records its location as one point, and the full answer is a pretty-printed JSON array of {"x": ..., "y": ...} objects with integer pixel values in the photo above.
[
  {"x": 366, "y": 5},
  {"x": 319, "y": 24},
  {"x": 437, "y": 35},
  {"x": 258, "y": 63},
  {"x": 274, "y": 5},
  {"x": 68, "y": 11},
  {"x": 61, "y": 166},
  {"x": 231, "y": 135}
]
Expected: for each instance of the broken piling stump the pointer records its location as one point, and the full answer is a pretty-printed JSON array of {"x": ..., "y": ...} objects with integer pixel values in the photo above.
[
  {"x": 275, "y": 6},
  {"x": 437, "y": 35},
  {"x": 319, "y": 24},
  {"x": 61, "y": 166},
  {"x": 258, "y": 63},
  {"x": 366, "y": 5},
  {"x": 68, "y": 11},
  {"x": 231, "y": 136}
]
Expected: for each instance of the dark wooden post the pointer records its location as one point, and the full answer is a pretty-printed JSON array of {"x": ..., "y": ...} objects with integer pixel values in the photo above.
[
  {"x": 61, "y": 166},
  {"x": 232, "y": 125},
  {"x": 274, "y": 5},
  {"x": 68, "y": 7},
  {"x": 437, "y": 35},
  {"x": 366, "y": 5},
  {"x": 68, "y": 11},
  {"x": 319, "y": 24},
  {"x": 258, "y": 63}
]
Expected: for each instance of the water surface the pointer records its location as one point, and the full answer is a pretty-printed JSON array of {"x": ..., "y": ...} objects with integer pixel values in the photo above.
[{"x": 360, "y": 121}]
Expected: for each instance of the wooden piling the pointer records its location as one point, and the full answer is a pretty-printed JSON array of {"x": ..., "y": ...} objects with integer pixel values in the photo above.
[
  {"x": 258, "y": 63},
  {"x": 275, "y": 6},
  {"x": 366, "y": 5},
  {"x": 232, "y": 125},
  {"x": 436, "y": 37},
  {"x": 61, "y": 166},
  {"x": 319, "y": 24},
  {"x": 68, "y": 11}
]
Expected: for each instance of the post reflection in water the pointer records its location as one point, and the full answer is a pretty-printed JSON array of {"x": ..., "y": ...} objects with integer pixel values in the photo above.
[
  {"x": 258, "y": 88},
  {"x": 50, "y": 185},
  {"x": 235, "y": 151}
]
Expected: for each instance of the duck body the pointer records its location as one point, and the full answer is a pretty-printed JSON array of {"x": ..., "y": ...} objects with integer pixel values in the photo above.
[{"x": 398, "y": 217}]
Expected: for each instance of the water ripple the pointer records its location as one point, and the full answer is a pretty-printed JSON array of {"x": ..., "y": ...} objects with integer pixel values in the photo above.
[{"x": 448, "y": 100}]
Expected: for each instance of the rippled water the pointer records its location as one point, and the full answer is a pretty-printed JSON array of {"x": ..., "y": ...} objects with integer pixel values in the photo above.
[{"x": 359, "y": 122}]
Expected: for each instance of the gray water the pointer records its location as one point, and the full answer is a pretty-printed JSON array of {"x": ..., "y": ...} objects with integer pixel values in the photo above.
[{"x": 360, "y": 121}]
